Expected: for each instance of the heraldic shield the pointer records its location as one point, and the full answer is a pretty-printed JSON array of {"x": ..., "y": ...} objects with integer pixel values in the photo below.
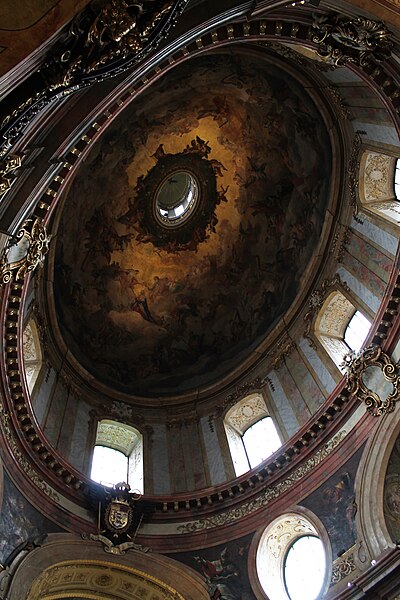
[{"x": 118, "y": 516}]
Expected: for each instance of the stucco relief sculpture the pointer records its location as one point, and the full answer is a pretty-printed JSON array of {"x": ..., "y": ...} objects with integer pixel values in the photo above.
[
  {"x": 374, "y": 379},
  {"x": 7, "y": 166},
  {"x": 25, "y": 251},
  {"x": 343, "y": 40}
]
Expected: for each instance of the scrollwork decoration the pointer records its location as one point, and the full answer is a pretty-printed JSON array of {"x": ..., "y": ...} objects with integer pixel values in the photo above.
[
  {"x": 11, "y": 163},
  {"x": 356, "y": 366},
  {"x": 25, "y": 251},
  {"x": 98, "y": 45},
  {"x": 342, "y": 40}
]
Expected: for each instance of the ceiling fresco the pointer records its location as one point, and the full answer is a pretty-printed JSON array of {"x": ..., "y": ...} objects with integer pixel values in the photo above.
[{"x": 153, "y": 314}]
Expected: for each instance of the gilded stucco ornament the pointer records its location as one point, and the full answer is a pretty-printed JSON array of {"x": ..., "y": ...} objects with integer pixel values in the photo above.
[
  {"x": 372, "y": 368},
  {"x": 25, "y": 251},
  {"x": 342, "y": 40},
  {"x": 7, "y": 166},
  {"x": 121, "y": 29},
  {"x": 97, "y": 45}
]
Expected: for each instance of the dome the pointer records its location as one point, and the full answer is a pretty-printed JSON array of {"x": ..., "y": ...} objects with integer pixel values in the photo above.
[{"x": 200, "y": 209}]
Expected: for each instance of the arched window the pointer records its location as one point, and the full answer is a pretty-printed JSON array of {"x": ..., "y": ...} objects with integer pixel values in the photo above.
[
  {"x": 292, "y": 560},
  {"x": 118, "y": 455},
  {"x": 32, "y": 354},
  {"x": 340, "y": 327},
  {"x": 251, "y": 433},
  {"x": 304, "y": 568},
  {"x": 380, "y": 192}
]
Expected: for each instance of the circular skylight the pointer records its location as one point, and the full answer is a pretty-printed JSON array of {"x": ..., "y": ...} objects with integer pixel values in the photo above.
[{"x": 176, "y": 198}]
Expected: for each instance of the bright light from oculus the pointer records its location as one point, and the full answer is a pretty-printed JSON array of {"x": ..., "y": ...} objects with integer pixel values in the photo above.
[{"x": 176, "y": 198}]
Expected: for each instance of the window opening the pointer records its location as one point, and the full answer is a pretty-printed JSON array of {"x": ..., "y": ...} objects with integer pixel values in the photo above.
[
  {"x": 356, "y": 331},
  {"x": 304, "y": 568},
  {"x": 260, "y": 441},
  {"x": 32, "y": 354},
  {"x": 118, "y": 455},
  {"x": 397, "y": 180}
]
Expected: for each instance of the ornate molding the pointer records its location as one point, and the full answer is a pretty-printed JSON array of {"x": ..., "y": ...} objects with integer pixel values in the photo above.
[
  {"x": 98, "y": 45},
  {"x": 342, "y": 40},
  {"x": 342, "y": 108},
  {"x": 22, "y": 460},
  {"x": 25, "y": 251},
  {"x": 316, "y": 301},
  {"x": 353, "y": 171},
  {"x": 270, "y": 493},
  {"x": 357, "y": 366},
  {"x": 343, "y": 567},
  {"x": 7, "y": 166}
]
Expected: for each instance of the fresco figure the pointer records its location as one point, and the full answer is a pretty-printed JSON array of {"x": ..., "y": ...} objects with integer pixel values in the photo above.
[{"x": 222, "y": 577}]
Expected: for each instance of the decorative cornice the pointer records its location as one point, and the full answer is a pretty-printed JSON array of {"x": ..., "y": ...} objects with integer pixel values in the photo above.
[
  {"x": 269, "y": 493},
  {"x": 22, "y": 460}
]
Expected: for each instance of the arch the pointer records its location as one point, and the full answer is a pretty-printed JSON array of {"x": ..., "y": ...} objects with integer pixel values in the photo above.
[
  {"x": 66, "y": 566},
  {"x": 240, "y": 418},
  {"x": 272, "y": 543},
  {"x": 373, "y": 534}
]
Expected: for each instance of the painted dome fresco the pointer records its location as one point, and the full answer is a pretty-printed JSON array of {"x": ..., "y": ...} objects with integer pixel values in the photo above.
[{"x": 200, "y": 208}]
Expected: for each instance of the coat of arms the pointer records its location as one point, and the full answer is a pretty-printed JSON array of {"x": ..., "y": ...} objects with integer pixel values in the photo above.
[{"x": 120, "y": 515}]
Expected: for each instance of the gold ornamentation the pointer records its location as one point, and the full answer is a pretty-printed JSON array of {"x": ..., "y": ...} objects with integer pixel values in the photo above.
[
  {"x": 343, "y": 567},
  {"x": 88, "y": 578},
  {"x": 121, "y": 29},
  {"x": 25, "y": 251},
  {"x": 316, "y": 301},
  {"x": 9, "y": 164},
  {"x": 342, "y": 40},
  {"x": 357, "y": 366},
  {"x": 270, "y": 493},
  {"x": 22, "y": 461}
]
